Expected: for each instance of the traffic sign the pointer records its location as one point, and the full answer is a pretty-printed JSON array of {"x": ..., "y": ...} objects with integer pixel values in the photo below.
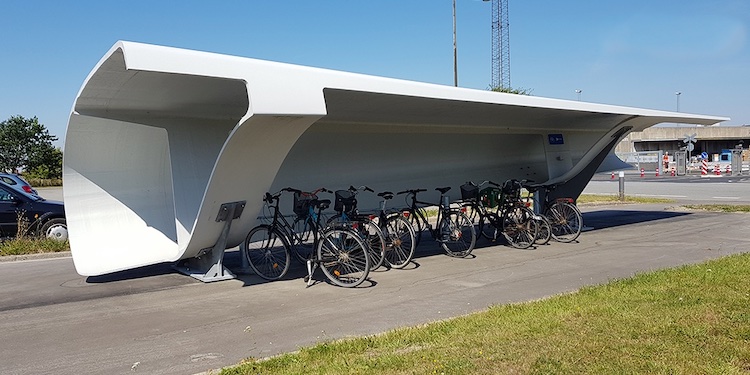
[{"x": 690, "y": 147}]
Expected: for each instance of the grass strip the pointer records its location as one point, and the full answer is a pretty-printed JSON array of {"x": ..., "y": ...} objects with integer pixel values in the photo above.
[
  {"x": 608, "y": 198},
  {"x": 690, "y": 320},
  {"x": 32, "y": 245},
  {"x": 719, "y": 207}
]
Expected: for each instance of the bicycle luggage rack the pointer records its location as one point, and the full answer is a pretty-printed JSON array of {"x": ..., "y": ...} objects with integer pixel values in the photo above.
[{"x": 208, "y": 265}]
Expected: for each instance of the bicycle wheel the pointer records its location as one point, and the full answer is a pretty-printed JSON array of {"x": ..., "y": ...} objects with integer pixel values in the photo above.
[
  {"x": 343, "y": 257},
  {"x": 303, "y": 240},
  {"x": 400, "y": 243},
  {"x": 267, "y": 252},
  {"x": 375, "y": 241},
  {"x": 489, "y": 226},
  {"x": 565, "y": 220},
  {"x": 545, "y": 230},
  {"x": 457, "y": 234},
  {"x": 416, "y": 224},
  {"x": 519, "y": 227}
]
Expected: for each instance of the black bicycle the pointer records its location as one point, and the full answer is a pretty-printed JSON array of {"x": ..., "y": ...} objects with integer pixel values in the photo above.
[
  {"x": 340, "y": 252},
  {"x": 348, "y": 214},
  {"x": 565, "y": 219},
  {"x": 453, "y": 229},
  {"x": 399, "y": 235}
]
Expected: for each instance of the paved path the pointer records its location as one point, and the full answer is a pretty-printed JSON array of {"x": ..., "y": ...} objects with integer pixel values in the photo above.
[{"x": 155, "y": 321}]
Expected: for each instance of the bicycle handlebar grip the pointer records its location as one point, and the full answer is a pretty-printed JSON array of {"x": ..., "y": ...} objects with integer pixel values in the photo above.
[
  {"x": 268, "y": 198},
  {"x": 367, "y": 188},
  {"x": 291, "y": 190}
]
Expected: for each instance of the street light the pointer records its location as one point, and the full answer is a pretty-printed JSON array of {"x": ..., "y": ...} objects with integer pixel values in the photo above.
[
  {"x": 678, "y": 100},
  {"x": 455, "y": 50},
  {"x": 578, "y": 93}
]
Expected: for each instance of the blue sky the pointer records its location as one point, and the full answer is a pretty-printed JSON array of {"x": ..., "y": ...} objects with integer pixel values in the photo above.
[{"x": 632, "y": 53}]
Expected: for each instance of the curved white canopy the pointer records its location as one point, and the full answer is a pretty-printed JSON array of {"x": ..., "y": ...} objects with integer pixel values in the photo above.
[{"x": 160, "y": 137}]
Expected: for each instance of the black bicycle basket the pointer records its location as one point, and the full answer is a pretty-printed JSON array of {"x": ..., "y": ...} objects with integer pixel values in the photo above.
[
  {"x": 302, "y": 202},
  {"x": 345, "y": 201},
  {"x": 469, "y": 192},
  {"x": 512, "y": 188}
]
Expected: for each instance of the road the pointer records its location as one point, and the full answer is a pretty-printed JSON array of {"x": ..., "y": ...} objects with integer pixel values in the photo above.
[
  {"x": 156, "y": 321},
  {"x": 685, "y": 189}
]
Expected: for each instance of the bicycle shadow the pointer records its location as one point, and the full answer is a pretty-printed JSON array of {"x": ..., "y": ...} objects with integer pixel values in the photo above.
[{"x": 603, "y": 219}]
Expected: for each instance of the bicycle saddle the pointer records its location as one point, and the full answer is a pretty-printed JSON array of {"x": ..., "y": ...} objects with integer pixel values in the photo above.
[
  {"x": 322, "y": 203},
  {"x": 443, "y": 190},
  {"x": 386, "y": 195}
]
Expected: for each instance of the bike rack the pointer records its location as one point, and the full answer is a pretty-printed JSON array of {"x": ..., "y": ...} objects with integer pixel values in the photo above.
[{"x": 208, "y": 265}]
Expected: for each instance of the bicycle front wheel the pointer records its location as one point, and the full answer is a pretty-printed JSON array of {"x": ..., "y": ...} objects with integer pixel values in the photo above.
[
  {"x": 519, "y": 227},
  {"x": 267, "y": 252},
  {"x": 400, "y": 242},
  {"x": 565, "y": 220},
  {"x": 343, "y": 257},
  {"x": 304, "y": 239},
  {"x": 457, "y": 234}
]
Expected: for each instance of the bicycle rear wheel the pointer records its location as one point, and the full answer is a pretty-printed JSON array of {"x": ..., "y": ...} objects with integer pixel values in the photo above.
[
  {"x": 303, "y": 239},
  {"x": 343, "y": 257},
  {"x": 519, "y": 227},
  {"x": 416, "y": 225},
  {"x": 400, "y": 241},
  {"x": 457, "y": 234},
  {"x": 565, "y": 220},
  {"x": 267, "y": 252},
  {"x": 489, "y": 226},
  {"x": 545, "y": 230},
  {"x": 375, "y": 241}
]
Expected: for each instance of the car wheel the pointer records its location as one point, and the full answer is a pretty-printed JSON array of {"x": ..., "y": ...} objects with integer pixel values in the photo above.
[{"x": 55, "y": 229}]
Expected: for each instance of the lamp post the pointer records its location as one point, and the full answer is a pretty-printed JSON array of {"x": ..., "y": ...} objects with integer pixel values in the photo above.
[
  {"x": 677, "y": 94},
  {"x": 578, "y": 93},
  {"x": 455, "y": 49}
]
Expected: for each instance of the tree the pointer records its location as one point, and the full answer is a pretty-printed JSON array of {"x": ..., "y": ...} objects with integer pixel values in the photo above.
[
  {"x": 26, "y": 145},
  {"x": 510, "y": 90}
]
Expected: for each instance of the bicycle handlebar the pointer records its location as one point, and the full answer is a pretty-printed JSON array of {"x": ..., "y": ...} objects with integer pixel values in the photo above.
[
  {"x": 413, "y": 191},
  {"x": 363, "y": 187}
]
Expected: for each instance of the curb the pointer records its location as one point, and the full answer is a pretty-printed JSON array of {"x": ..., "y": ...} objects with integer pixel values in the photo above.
[{"x": 14, "y": 258}]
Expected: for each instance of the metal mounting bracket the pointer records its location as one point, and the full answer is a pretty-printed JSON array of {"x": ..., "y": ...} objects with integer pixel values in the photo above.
[{"x": 208, "y": 265}]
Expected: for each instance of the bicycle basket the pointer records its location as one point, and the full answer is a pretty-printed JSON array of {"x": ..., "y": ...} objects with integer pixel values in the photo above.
[
  {"x": 469, "y": 191},
  {"x": 345, "y": 201},
  {"x": 302, "y": 202},
  {"x": 490, "y": 197},
  {"x": 512, "y": 188}
]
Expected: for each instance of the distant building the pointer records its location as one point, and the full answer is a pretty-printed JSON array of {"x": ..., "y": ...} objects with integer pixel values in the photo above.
[{"x": 709, "y": 139}]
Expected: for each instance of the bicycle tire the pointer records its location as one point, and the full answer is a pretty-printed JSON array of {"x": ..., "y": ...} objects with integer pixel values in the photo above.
[
  {"x": 544, "y": 234},
  {"x": 267, "y": 252},
  {"x": 457, "y": 234},
  {"x": 519, "y": 227},
  {"x": 343, "y": 257},
  {"x": 400, "y": 242},
  {"x": 489, "y": 226},
  {"x": 304, "y": 240},
  {"x": 370, "y": 233},
  {"x": 416, "y": 225},
  {"x": 565, "y": 220}
]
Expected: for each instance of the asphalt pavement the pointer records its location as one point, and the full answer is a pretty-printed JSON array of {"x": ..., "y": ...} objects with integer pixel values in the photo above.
[{"x": 156, "y": 321}]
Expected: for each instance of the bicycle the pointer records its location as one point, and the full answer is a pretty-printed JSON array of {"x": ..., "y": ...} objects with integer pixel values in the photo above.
[
  {"x": 399, "y": 234},
  {"x": 513, "y": 219},
  {"x": 565, "y": 219},
  {"x": 340, "y": 252},
  {"x": 454, "y": 231},
  {"x": 544, "y": 234},
  {"x": 347, "y": 214},
  {"x": 478, "y": 203}
]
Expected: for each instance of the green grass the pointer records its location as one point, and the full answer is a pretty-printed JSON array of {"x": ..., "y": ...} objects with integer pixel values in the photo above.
[
  {"x": 32, "y": 245},
  {"x": 719, "y": 207},
  {"x": 688, "y": 320},
  {"x": 597, "y": 198}
]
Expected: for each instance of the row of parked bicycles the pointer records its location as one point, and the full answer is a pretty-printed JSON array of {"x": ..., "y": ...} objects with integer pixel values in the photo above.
[{"x": 349, "y": 244}]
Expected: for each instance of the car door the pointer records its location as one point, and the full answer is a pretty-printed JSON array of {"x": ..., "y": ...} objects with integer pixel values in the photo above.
[{"x": 8, "y": 212}]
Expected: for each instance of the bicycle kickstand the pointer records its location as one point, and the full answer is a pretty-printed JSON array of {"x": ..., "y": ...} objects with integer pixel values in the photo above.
[{"x": 310, "y": 269}]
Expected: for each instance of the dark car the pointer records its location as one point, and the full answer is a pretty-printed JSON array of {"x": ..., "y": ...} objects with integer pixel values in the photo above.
[
  {"x": 17, "y": 182},
  {"x": 37, "y": 215}
]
